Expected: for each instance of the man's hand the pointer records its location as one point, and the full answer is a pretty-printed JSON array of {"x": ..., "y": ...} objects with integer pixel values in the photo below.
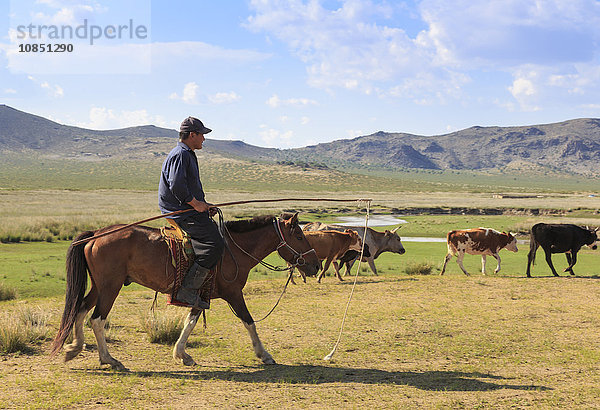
[{"x": 202, "y": 206}]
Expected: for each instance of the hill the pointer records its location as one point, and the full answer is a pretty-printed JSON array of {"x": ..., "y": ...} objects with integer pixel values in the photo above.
[{"x": 569, "y": 147}]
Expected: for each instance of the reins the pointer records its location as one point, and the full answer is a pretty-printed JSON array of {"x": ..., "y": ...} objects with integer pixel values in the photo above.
[
  {"x": 282, "y": 243},
  {"x": 252, "y": 201}
]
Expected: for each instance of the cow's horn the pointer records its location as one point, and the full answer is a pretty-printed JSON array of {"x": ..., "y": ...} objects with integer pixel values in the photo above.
[{"x": 395, "y": 229}]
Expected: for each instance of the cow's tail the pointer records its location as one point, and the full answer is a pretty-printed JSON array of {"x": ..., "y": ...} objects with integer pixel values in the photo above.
[
  {"x": 76, "y": 283},
  {"x": 532, "y": 247}
]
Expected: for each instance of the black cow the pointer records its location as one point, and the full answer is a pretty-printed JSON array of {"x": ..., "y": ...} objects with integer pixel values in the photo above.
[{"x": 559, "y": 238}]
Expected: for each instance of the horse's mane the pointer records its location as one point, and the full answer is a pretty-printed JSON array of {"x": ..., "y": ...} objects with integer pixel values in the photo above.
[{"x": 247, "y": 225}]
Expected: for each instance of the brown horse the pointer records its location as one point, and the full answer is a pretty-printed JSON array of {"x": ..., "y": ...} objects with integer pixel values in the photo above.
[{"x": 139, "y": 254}]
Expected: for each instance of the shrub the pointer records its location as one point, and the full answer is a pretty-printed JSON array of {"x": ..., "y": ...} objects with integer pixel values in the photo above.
[
  {"x": 418, "y": 268},
  {"x": 163, "y": 328},
  {"x": 21, "y": 329},
  {"x": 7, "y": 292}
]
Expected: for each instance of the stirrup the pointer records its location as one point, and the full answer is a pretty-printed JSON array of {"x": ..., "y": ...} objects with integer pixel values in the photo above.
[{"x": 188, "y": 298}]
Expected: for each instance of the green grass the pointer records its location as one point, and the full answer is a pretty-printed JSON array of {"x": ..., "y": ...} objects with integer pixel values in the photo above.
[
  {"x": 36, "y": 171},
  {"x": 37, "y": 269}
]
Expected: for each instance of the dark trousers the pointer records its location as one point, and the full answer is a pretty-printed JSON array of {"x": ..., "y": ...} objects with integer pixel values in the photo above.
[{"x": 206, "y": 240}]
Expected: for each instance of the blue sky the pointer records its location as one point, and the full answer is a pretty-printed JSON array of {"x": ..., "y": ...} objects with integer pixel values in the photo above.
[{"x": 293, "y": 73}]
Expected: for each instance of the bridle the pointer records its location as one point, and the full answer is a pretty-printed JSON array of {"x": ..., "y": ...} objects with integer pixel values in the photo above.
[
  {"x": 299, "y": 257},
  {"x": 299, "y": 261}
]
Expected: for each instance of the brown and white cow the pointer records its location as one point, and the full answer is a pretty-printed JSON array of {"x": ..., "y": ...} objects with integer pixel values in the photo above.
[
  {"x": 378, "y": 242},
  {"x": 480, "y": 241},
  {"x": 331, "y": 246}
]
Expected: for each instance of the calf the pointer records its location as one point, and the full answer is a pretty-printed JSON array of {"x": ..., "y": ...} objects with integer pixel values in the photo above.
[
  {"x": 378, "y": 242},
  {"x": 559, "y": 238},
  {"x": 481, "y": 241},
  {"x": 332, "y": 245}
]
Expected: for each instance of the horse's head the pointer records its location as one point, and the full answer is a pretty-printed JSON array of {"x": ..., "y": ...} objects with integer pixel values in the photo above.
[{"x": 295, "y": 248}]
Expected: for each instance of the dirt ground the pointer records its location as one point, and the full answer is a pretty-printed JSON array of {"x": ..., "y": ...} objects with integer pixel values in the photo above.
[{"x": 409, "y": 341}]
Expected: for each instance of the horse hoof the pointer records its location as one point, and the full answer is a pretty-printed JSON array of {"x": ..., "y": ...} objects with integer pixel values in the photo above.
[
  {"x": 118, "y": 366},
  {"x": 71, "y": 354},
  {"x": 269, "y": 360},
  {"x": 188, "y": 361}
]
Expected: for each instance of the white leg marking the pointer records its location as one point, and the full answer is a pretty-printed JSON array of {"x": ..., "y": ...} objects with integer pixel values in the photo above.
[
  {"x": 105, "y": 357},
  {"x": 179, "y": 349},
  {"x": 73, "y": 349},
  {"x": 259, "y": 349},
  {"x": 497, "y": 256},
  {"x": 483, "y": 264}
]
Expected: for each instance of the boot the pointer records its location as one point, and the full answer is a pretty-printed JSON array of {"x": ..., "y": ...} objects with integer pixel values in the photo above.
[{"x": 188, "y": 295}]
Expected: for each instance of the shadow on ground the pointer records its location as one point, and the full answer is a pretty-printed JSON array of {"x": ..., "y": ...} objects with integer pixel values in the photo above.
[{"x": 310, "y": 374}]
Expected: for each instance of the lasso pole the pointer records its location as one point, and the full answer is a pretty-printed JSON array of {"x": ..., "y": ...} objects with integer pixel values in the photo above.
[
  {"x": 330, "y": 355},
  {"x": 215, "y": 206}
]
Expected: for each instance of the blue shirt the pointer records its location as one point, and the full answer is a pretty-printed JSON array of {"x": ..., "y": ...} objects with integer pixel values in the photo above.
[{"x": 179, "y": 182}]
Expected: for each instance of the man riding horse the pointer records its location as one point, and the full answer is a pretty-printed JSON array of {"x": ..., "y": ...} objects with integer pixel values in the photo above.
[{"x": 180, "y": 188}]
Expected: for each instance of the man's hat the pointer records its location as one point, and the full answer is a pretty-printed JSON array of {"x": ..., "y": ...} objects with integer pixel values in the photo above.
[{"x": 191, "y": 124}]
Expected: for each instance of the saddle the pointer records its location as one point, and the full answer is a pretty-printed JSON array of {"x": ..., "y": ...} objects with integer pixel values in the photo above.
[{"x": 182, "y": 257}]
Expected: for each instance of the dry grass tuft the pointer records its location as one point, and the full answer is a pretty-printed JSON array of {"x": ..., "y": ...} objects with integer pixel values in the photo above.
[
  {"x": 7, "y": 292},
  {"x": 418, "y": 268},
  {"x": 20, "y": 329},
  {"x": 163, "y": 328}
]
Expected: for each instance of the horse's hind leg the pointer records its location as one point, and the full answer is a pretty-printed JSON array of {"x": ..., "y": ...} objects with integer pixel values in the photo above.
[
  {"x": 74, "y": 348},
  {"x": 106, "y": 299},
  {"x": 179, "y": 349}
]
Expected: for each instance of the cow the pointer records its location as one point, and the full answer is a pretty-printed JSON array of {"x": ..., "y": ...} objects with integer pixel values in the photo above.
[
  {"x": 480, "y": 241},
  {"x": 559, "y": 238},
  {"x": 378, "y": 242},
  {"x": 332, "y": 245}
]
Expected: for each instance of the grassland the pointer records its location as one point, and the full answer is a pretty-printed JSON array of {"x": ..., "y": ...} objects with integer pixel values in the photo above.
[
  {"x": 410, "y": 341},
  {"x": 425, "y": 341}
]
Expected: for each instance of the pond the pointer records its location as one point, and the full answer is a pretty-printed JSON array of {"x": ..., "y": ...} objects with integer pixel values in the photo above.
[{"x": 374, "y": 220}]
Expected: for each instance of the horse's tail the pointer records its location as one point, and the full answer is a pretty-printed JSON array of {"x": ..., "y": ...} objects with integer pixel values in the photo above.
[{"x": 77, "y": 268}]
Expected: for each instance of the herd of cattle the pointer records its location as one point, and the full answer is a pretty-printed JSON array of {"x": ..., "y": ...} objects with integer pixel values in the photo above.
[{"x": 341, "y": 246}]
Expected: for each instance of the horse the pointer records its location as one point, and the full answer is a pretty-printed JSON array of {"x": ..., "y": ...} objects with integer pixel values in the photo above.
[{"x": 139, "y": 254}]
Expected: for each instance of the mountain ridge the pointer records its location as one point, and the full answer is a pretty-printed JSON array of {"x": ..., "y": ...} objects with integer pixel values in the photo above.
[{"x": 572, "y": 146}]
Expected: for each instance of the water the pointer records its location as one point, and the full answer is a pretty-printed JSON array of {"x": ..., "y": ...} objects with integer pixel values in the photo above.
[
  {"x": 421, "y": 239},
  {"x": 375, "y": 220}
]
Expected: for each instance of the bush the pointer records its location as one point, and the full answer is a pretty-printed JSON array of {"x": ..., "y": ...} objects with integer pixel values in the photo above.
[
  {"x": 7, "y": 292},
  {"x": 163, "y": 328},
  {"x": 418, "y": 268},
  {"x": 21, "y": 329}
]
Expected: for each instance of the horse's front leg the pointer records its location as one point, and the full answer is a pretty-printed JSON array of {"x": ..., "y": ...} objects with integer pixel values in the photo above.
[
  {"x": 179, "y": 349},
  {"x": 238, "y": 304}
]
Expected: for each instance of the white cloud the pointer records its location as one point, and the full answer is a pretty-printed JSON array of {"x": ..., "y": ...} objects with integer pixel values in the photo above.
[
  {"x": 106, "y": 118},
  {"x": 188, "y": 95},
  {"x": 275, "y": 138},
  {"x": 355, "y": 45},
  {"x": 346, "y": 47},
  {"x": 196, "y": 52},
  {"x": 10, "y": 91},
  {"x": 525, "y": 90},
  {"x": 224, "y": 98},
  {"x": 52, "y": 89},
  {"x": 274, "y": 101},
  {"x": 304, "y": 120}
]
